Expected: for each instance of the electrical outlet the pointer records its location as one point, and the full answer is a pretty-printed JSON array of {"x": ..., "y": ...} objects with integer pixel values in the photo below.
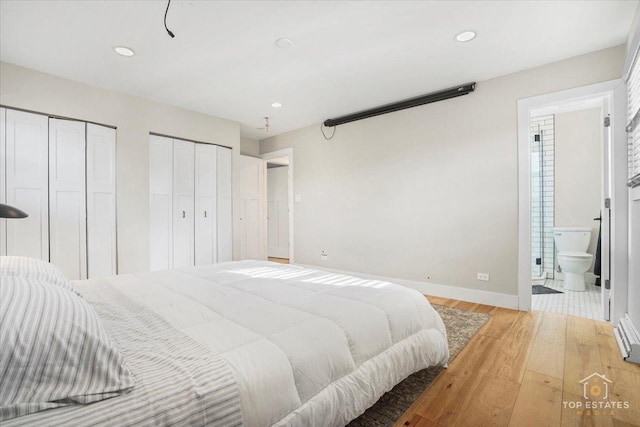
[
  {"x": 323, "y": 256},
  {"x": 483, "y": 276}
]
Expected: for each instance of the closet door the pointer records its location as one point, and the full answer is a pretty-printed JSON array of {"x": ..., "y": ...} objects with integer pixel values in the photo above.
[
  {"x": 67, "y": 197},
  {"x": 101, "y": 201},
  {"x": 183, "y": 205},
  {"x": 26, "y": 183},
  {"x": 206, "y": 243},
  {"x": 161, "y": 202},
  {"x": 224, "y": 205}
]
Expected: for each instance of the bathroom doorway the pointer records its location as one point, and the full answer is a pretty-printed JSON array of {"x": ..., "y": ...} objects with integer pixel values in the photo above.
[
  {"x": 279, "y": 205},
  {"x": 567, "y": 180},
  {"x": 568, "y": 146}
]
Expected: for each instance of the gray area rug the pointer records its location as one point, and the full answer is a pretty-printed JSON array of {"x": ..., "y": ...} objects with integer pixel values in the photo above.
[
  {"x": 461, "y": 325},
  {"x": 540, "y": 290}
]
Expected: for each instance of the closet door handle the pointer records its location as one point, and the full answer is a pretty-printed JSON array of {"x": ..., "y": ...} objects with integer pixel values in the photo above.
[
  {"x": 184, "y": 214},
  {"x": 205, "y": 214}
]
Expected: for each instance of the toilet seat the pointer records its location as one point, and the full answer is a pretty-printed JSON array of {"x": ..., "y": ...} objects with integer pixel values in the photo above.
[{"x": 575, "y": 255}]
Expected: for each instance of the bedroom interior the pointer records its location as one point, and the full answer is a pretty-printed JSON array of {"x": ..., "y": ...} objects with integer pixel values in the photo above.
[{"x": 295, "y": 210}]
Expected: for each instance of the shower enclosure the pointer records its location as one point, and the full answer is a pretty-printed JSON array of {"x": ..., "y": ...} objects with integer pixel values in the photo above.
[{"x": 542, "y": 197}]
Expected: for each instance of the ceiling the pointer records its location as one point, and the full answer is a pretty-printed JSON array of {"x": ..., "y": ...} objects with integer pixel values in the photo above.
[{"x": 346, "y": 55}]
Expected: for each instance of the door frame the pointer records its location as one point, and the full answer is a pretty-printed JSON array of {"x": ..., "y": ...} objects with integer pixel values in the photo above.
[
  {"x": 613, "y": 92},
  {"x": 287, "y": 152}
]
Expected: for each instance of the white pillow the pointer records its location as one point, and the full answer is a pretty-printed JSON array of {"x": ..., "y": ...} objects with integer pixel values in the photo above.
[
  {"x": 19, "y": 266},
  {"x": 53, "y": 350}
]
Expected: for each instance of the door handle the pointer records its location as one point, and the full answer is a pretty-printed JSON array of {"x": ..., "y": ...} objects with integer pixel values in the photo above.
[
  {"x": 205, "y": 214},
  {"x": 184, "y": 214}
]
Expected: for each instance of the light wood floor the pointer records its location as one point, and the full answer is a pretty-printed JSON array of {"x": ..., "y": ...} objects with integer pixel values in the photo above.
[
  {"x": 521, "y": 367},
  {"x": 280, "y": 260}
]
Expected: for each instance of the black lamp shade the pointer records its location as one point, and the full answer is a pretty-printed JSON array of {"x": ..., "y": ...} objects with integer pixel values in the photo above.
[{"x": 7, "y": 211}]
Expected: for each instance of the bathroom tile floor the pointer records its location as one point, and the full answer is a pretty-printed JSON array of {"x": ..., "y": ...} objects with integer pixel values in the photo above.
[{"x": 581, "y": 304}]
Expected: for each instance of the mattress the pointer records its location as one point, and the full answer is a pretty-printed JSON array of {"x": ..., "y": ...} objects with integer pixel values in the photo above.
[{"x": 304, "y": 347}]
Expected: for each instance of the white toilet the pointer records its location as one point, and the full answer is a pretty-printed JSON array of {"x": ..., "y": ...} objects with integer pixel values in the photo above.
[{"x": 572, "y": 244}]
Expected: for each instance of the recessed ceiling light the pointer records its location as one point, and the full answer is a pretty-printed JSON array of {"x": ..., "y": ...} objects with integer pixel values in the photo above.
[
  {"x": 284, "y": 43},
  {"x": 124, "y": 51},
  {"x": 276, "y": 105},
  {"x": 465, "y": 36}
]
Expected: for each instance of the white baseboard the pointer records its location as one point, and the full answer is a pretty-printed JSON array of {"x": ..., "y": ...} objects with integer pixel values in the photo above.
[
  {"x": 437, "y": 290},
  {"x": 628, "y": 339}
]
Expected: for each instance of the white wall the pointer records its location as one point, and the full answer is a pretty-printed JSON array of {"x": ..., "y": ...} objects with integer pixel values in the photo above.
[
  {"x": 249, "y": 147},
  {"x": 429, "y": 193},
  {"x": 578, "y": 171},
  {"x": 633, "y": 44},
  {"x": 134, "y": 118}
]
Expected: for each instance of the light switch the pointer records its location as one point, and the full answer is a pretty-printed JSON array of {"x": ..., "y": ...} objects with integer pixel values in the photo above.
[{"x": 298, "y": 198}]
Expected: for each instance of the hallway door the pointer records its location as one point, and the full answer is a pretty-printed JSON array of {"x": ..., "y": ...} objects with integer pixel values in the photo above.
[{"x": 252, "y": 209}]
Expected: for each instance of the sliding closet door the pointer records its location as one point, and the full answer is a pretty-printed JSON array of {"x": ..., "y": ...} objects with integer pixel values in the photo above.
[
  {"x": 224, "y": 205},
  {"x": 3, "y": 186},
  {"x": 161, "y": 202},
  {"x": 206, "y": 243},
  {"x": 67, "y": 197},
  {"x": 101, "y": 201},
  {"x": 183, "y": 192},
  {"x": 26, "y": 183}
]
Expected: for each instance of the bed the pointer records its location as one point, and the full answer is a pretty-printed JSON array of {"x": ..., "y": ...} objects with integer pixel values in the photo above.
[{"x": 246, "y": 343}]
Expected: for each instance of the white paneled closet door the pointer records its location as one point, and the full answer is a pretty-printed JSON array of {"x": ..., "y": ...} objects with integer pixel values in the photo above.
[
  {"x": 26, "y": 172},
  {"x": 161, "y": 202},
  {"x": 101, "y": 201},
  {"x": 224, "y": 205},
  {"x": 206, "y": 242},
  {"x": 67, "y": 197},
  {"x": 183, "y": 203}
]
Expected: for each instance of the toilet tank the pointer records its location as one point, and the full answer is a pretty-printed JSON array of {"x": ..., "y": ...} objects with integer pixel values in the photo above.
[{"x": 572, "y": 239}]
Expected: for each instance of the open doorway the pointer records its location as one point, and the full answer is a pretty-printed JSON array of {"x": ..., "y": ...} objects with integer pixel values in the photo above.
[
  {"x": 279, "y": 210},
  {"x": 567, "y": 186},
  {"x": 564, "y": 186}
]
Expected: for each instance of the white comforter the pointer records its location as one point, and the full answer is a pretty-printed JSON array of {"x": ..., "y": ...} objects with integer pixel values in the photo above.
[{"x": 307, "y": 348}]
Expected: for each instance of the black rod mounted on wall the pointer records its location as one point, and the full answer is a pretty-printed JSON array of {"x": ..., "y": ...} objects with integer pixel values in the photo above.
[{"x": 401, "y": 105}]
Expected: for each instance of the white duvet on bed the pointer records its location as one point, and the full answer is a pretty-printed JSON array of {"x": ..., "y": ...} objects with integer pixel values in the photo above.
[{"x": 307, "y": 348}]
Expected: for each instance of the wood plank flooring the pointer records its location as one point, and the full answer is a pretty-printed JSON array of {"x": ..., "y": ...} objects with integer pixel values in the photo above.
[{"x": 524, "y": 369}]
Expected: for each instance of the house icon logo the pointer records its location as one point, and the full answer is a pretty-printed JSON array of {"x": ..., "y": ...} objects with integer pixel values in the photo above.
[{"x": 595, "y": 387}]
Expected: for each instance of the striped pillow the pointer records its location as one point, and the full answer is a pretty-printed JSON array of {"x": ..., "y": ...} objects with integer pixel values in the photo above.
[
  {"x": 20, "y": 266},
  {"x": 53, "y": 350}
]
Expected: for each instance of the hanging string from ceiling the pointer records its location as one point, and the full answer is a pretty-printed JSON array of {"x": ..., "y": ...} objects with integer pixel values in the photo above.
[{"x": 165, "y": 20}]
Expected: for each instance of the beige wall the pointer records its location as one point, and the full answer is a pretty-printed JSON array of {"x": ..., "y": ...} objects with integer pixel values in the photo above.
[
  {"x": 134, "y": 118},
  {"x": 249, "y": 147},
  {"x": 429, "y": 193},
  {"x": 578, "y": 171}
]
